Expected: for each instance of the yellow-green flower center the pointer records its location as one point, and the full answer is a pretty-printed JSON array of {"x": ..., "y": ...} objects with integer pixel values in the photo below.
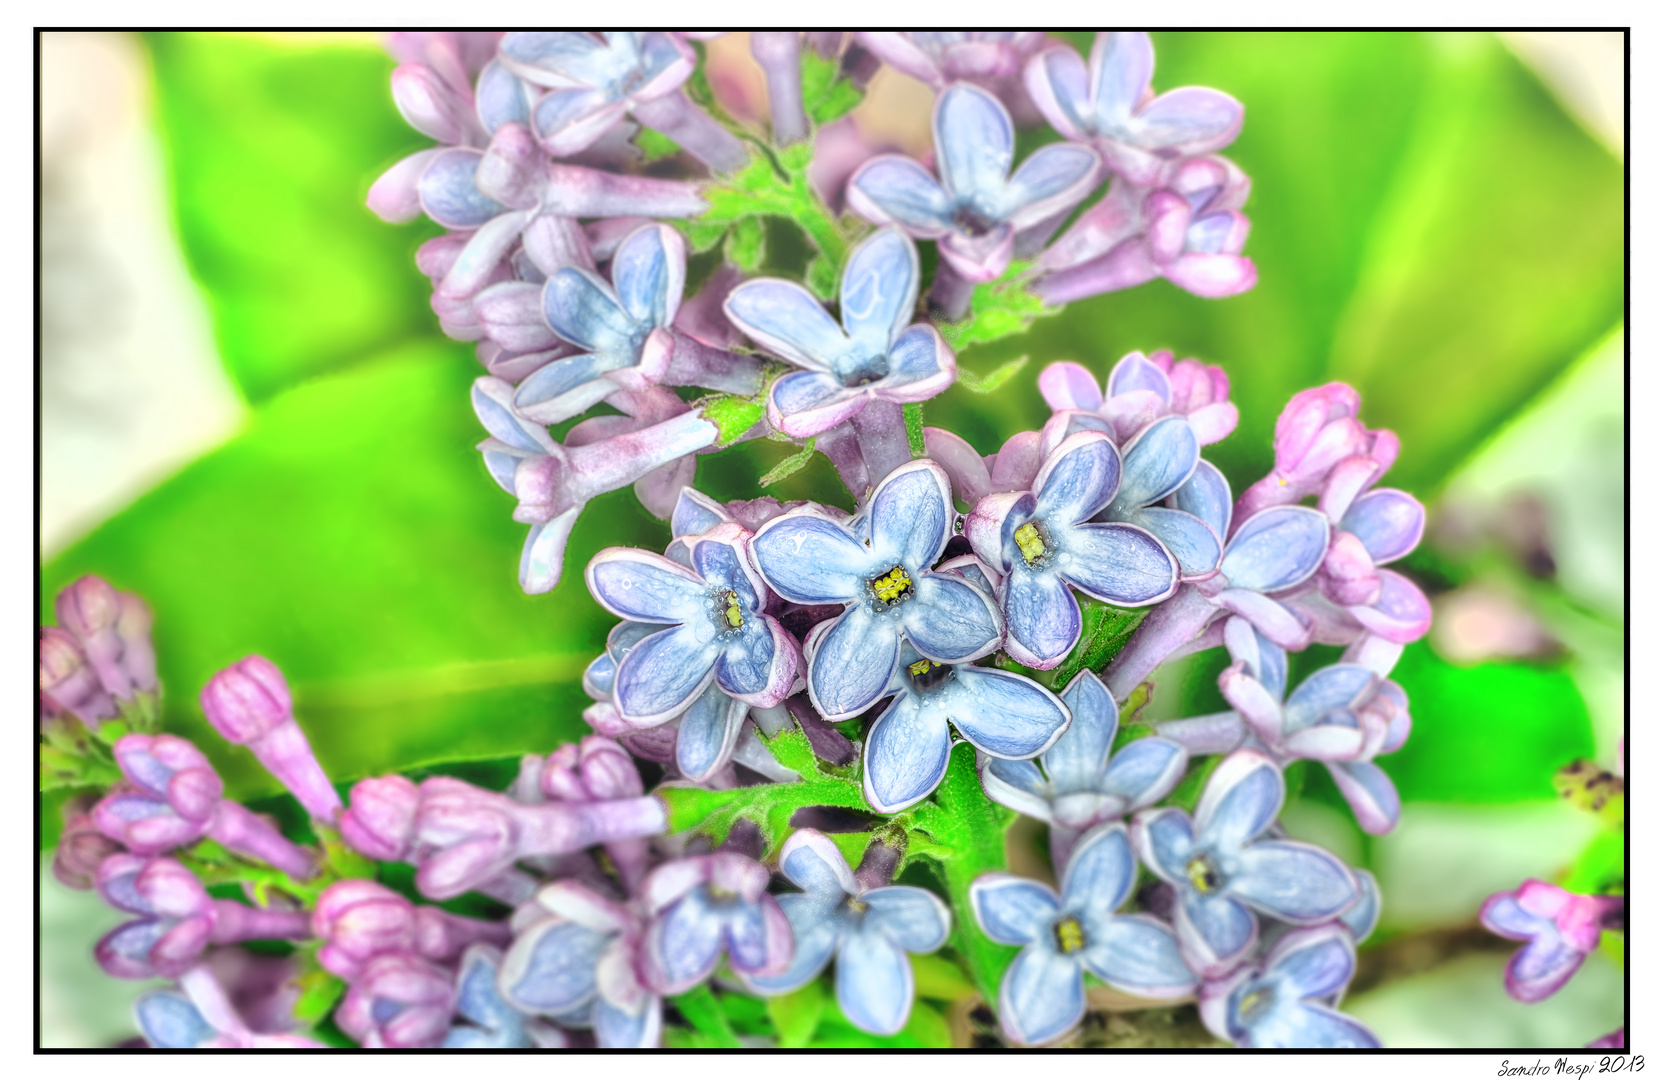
[
  {"x": 1253, "y": 1003},
  {"x": 921, "y": 667},
  {"x": 892, "y": 587},
  {"x": 1202, "y": 875},
  {"x": 1071, "y": 938},
  {"x": 728, "y": 609},
  {"x": 1031, "y": 542}
]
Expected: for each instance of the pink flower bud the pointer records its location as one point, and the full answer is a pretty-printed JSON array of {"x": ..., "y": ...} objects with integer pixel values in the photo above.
[{"x": 380, "y": 820}]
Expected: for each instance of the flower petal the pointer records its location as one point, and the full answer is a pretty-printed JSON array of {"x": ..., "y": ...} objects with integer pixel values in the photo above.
[
  {"x": 1119, "y": 564},
  {"x": 1540, "y": 969},
  {"x": 880, "y": 287},
  {"x": 644, "y": 587},
  {"x": 759, "y": 938},
  {"x": 1018, "y": 785},
  {"x": 684, "y": 944},
  {"x": 806, "y": 403},
  {"x": 1285, "y": 626},
  {"x": 1164, "y": 839},
  {"x": 814, "y": 864},
  {"x": 1190, "y": 120},
  {"x": 1295, "y": 882},
  {"x": 1195, "y": 546},
  {"x": 1138, "y": 954},
  {"x": 1041, "y": 997},
  {"x": 875, "y": 983},
  {"x": 973, "y": 137},
  {"x": 1100, "y": 873},
  {"x": 906, "y": 756},
  {"x": 921, "y": 366},
  {"x": 852, "y": 664},
  {"x": 1043, "y": 621},
  {"x": 663, "y": 675},
  {"x": 1240, "y": 802},
  {"x": 1306, "y": 1025},
  {"x": 1013, "y": 910},
  {"x": 1078, "y": 479},
  {"x": 551, "y": 967},
  {"x": 570, "y": 121},
  {"x": 705, "y": 738},
  {"x": 1339, "y": 686},
  {"x": 1002, "y": 713},
  {"x": 1207, "y": 495},
  {"x": 1388, "y": 523},
  {"x": 1067, "y": 385},
  {"x": 448, "y": 192},
  {"x": 950, "y": 620},
  {"x": 1215, "y": 930},
  {"x": 649, "y": 274},
  {"x": 1276, "y": 549},
  {"x": 808, "y": 559},
  {"x": 1155, "y": 463},
  {"x": 499, "y": 98},
  {"x": 815, "y": 934},
  {"x": 566, "y": 387},
  {"x": 1144, "y": 771},
  {"x": 1314, "y": 963},
  {"x": 786, "y": 319},
  {"x": 1077, "y": 759},
  {"x": 1057, "y": 82},
  {"x": 1401, "y": 615},
  {"x": 617, "y": 1028},
  {"x": 169, "y": 1021},
  {"x": 913, "y": 918},
  {"x": 896, "y": 188},
  {"x": 1050, "y": 180},
  {"x": 1371, "y": 794},
  {"x": 1121, "y": 65},
  {"x": 910, "y": 515},
  {"x": 1361, "y": 918}
]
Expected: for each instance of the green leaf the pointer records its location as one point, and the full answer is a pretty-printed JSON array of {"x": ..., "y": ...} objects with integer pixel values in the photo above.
[
  {"x": 655, "y": 146},
  {"x": 999, "y": 309},
  {"x": 796, "y": 1015},
  {"x": 769, "y": 806},
  {"x": 926, "y": 1029},
  {"x": 271, "y": 147},
  {"x": 700, "y": 1008},
  {"x": 913, "y": 416},
  {"x": 939, "y": 979},
  {"x": 827, "y": 96},
  {"x": 352, "y": 536},
  {"x": 734, "y": 416},
  {"x": 1491, "y": 733},
  {"x": 788, "y": 465},
  {"x": 972, "y": 830},
  {"x": 777, "y": 186},
  {"x": 821, "y": 277},
  {"x": 744, "y": 246},
  {"x": 1105, "y": 629},
  {"x": 994, "y": 380}
]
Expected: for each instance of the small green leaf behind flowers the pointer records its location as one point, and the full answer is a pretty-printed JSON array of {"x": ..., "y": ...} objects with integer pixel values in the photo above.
[
  {"x": 788, "y": 465},
  {"x": 999, "y": 309}
]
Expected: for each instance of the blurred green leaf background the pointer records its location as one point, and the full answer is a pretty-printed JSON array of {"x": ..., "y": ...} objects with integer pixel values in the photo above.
[{"x": 1430, "y": 224}]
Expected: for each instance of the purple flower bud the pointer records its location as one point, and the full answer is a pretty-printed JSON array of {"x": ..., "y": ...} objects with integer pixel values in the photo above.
[
  {"x": 1560, "y": 928},
  {"x": 82, "y": 848},
  {"x": 360, "y": 920},
  {"x": 170, "y": 797},
  {"x": 399, "y": 1001},
  {"x": 67, "y": 681},
  {"x": 94, "y": 612},
  {"x": 176, "y": 921},
  {"x": 380, "y": 820},
  {"x": 249, "y": 704},
  {"x": 434, "y": 107}
]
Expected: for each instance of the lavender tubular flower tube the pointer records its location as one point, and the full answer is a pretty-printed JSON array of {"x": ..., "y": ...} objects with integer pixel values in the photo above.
[
  {"x": 777, "y": 52},
  {"x": 1074, "y": 930},
  {"x": 869, "y": 927},
  {"x": 1045, "y": 544},
  {"x": 250, "y": 705},
  {"x": 1220, "y": 870},
  {"x": 882, "y": 577}
]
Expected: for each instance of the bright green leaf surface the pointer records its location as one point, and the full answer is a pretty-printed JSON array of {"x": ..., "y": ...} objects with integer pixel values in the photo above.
[{"x": 271, "y": 149}]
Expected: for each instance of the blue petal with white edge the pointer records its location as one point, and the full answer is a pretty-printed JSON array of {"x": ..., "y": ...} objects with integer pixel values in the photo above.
[
  {"x": 1276, "y": 549},
  {"x": 1052, "y": 177},
  {"x": 906, "y": 755},
  {"x": 663, "y": 674},
  {"x": 917, "y": 354},
  {"x": 853, "y": 664},
  {"x": 1041, "y": 997},
  {"x": 1002, "y": 713},
  {"x": 1119, "y": 564},
  {"x": 881, "y": 283},
  {"x": 1194, "y": 545},
  {"x": 448, "y": 192},
  {"x": 904, "y": 191},
  {"x": 1318, "y": 968},
  {"x": 816, "y": 929},
  {"x": 814, "y": 864},
  {"x": 1134, "y": 372},
  {"x": 1019, "y": 785},
  {"x": 1100, "y": 872},
  {"x": 1302, "y": 1025},
  {"x": 687, "y": 940},
  {"x": 551, "y": 967},
  {"x": 1077, "y": 759},
  {"x": 1241, "y": 801},
  {"x": 643, "y": 587},
  {"x": 1223, "y": 927},
  {"x": 810, "y": 560},
  {"x": 550, "y": 384},
  {"x": 1143, "y": 771},
  {"x": 1167, "y": 842},
  {"x": 973, "y": 137},
  {"x": 1206, "y": 495},
  {"x": 788, "y": 321},
  {"x": 620, "y": 1029},
  {"x": 1013, "y": 910},
  {"x": 913, "y": 918},
  {"x": 499, "y": 99},
  {"x": 1139, "y": 954},
  {"x": 1360, "y": 919},
  {"x": 581, "y": 308},
  {"x": 1078, "y": 481},
  {"x": 695, "y": 513},
  {"x": 1041, "y": 614},
  {"x": 705, "y": 737},
  {"x": 1388, "y": 523},
  {"x": 875, "y": 982},
  {"x": 910, "y": 515},
  {"x": 1121, "y": 70},
  {"x": 950, "y": 620},
  {"x": 1338, "y": 686},
  {"x": 169, "y": 1021},
  {"x": 648, "y": 274},
  {"x": 1155, "y": 464},
  {"x": 1294, "y": 882}
]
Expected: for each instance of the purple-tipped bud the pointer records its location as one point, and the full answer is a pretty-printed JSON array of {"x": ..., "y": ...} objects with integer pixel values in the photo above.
[
  {"x": 380, "y": 820},
  {"x": 89, "y": 609},
  {"x": 361, "y": 920},
  {"x": 67, "y": 682},
  {"x": 249, "y": 704},
  {"x": 176, "y": 918},
  {"x": 399, "y": 1001},
  {"x": 82, "y": 848},
  {"x": 169, "y": 800},
  {"x": 432, "y": 106}
]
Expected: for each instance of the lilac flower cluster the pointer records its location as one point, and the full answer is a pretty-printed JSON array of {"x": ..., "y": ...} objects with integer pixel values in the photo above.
[{"x": 778, "y": 662}]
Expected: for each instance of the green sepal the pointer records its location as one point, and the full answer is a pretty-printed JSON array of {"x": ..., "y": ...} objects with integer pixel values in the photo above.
[
  {"x": 62, "y": 769},
  {"x": 827, "y": 96},
  {"x": 786, "y": 466},
  {"x": 913, "y": 417},
  {"x": 654, "y": 145},
  {"x": 994, "y": 380},
  {"x": 999, "y": 309},
  {"x": 733, "y": 415},
  {"x": 744, "y": 246}
]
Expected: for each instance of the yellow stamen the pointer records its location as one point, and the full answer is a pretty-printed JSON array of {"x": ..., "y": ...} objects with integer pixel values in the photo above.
[
  {"x": 1071, "y": 938},
  {"x": 888, "y": 587},
  {"x": 731, "y": 609},
  {"x": 1029, "y": 542},
  {"x": 922, "y": 666},
  {"x": 1201, "y": 874}
]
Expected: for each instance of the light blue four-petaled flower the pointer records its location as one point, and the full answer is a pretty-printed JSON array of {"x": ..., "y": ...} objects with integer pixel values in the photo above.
[
  {"x": 1222, "y": 872},
  {"x": 869, "y": 930},
  {"x": 881, "y": 573},
  {"x": 1074, "y": 930},
  {"x": 1288, "y": 1001}
]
